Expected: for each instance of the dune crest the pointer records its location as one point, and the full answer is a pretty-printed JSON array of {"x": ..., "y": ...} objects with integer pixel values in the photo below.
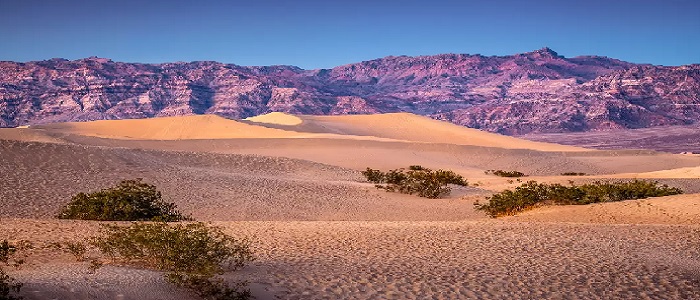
[
  {"x": 276, "y": 118},
  {"x": 167, "y": 128}
]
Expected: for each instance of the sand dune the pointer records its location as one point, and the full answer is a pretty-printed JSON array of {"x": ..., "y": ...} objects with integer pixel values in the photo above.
[
  {"x": 197, "y": 127},
  {"x": 322, "y": 232},
  {"x": 678, "y": 209},
  {"x": 382, "y": 127},
  {"x": 27, "y": 134},
  {"x": 37, "y": 179},
  {"x": 407, "y": 260},
  {"x": 276, "y": 118},
  {"x": 406, "y": 127},
  {"x": 470, "y": 161},
  {"x": 688, "y": 172},
  {"x": 166, "y": 128}
]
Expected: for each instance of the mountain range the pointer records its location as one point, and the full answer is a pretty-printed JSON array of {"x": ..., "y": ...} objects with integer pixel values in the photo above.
[{"x": 534, "y": 92}]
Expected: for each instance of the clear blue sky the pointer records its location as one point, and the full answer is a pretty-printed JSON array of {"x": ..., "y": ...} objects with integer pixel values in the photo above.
[{"x": 323, "y": 34}]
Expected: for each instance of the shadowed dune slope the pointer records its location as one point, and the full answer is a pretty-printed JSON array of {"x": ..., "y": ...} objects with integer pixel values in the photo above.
[
  {"x": 37, "y": 179},
  {"x": 28, "y": 135},
  {"x": 470, "y": 161}
]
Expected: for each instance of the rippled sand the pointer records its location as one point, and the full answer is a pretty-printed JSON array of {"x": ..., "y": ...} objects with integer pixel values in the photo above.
[{"x": 321, "y": 232}]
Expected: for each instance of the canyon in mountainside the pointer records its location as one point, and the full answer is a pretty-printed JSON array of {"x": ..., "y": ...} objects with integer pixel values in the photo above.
[{"x": 529, "y": 93}]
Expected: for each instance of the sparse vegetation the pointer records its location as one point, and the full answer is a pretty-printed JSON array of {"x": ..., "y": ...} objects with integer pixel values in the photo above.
[
  {"x": 417, "y": 180},
  {"x": 192, "y": 255},
  {"x": 505, "y": 173},
  {"x": 77, "y": 249},
  {"x": 573, "y": 174},
  {"x": 9, "y": 287},
  {"x": 532, "y": 194},
  {"x": 130, "y": 200}
]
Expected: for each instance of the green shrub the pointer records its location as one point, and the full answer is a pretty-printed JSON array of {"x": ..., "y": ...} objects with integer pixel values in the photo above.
[
  {"x": 375, "y": 176},
  {"x": 130, "y": 200},
  {"x": 417, "y": 180},
  {"x": 9, "y": 287},
  {"x": 573, "y": 174},
  {"x": 505, "y": 173},
  {"x": 531, "y": 194},
  {"x": 191, "y": 255}
]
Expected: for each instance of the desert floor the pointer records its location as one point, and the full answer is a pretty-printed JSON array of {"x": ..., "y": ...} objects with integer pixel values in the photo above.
[{"x": 293, "y": 185}]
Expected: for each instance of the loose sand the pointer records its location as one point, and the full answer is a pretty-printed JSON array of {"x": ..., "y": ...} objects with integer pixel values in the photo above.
[{"x": 294, "y": 184}]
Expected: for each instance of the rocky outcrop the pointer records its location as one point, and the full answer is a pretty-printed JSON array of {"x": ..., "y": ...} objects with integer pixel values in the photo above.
[{"x": 539, "y": 91}]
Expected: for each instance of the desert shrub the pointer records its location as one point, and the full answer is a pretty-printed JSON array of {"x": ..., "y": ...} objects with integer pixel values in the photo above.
[
  {"x": 191, "y": 255},
  {"x": 130, "y": 200},
  {"x": 9, "y": 287},
  {"x": 505, "y": 173},
  {"x": 625, "y": 190},
  {"x": 375, "y": 176},
  {"x": 573, "y": 174},
  {"x": 416, "y": 180},
  {"x": 77, "y": 249},
  {"x": 532, "y": 194}
]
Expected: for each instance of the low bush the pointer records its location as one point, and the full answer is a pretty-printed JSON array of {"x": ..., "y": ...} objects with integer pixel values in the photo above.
[
  {"x": 573, "y": 174},
  {"x": 9, "y": 287},
  {"x": 192, "y": 255},
  {"x": 505, "y": 173},
  {"x": 532, "y": 194},
  {"x": 130, "y": 200},
  {"x": 417, "y": 180}
]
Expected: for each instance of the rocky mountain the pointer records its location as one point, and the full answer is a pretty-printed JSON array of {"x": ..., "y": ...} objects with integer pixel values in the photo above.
[{"x": 533, "y": 92}]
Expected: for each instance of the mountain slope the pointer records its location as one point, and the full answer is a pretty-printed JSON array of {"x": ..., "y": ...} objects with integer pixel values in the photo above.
[{"x": 539, "y": 91}]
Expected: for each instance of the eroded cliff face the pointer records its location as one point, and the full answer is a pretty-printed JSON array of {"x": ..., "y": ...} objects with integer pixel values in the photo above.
[{"x": 538, "y": 91}]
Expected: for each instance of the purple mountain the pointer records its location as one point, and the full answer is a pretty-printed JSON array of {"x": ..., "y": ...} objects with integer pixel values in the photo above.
[{"x": 533, "y": 92}]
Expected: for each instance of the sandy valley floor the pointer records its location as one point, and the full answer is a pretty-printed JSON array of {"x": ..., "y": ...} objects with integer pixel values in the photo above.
[{"x": 293, "y": 184}]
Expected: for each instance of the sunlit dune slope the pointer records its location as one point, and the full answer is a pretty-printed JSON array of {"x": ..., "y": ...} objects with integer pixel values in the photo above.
[
  {"x": 403, "y": 126},
  {"x": 678, "y": 209},
  {"x": 167, "y": 128},
  {"x": 276, "y": 118},
  {"x": 690, "y": 172}
]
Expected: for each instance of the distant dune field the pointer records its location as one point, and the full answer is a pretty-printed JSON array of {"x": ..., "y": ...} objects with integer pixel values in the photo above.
[{"x": 673, "y": 139}]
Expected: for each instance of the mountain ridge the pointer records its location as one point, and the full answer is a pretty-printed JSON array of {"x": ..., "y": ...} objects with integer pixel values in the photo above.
[{"x": 534, "y": 92}]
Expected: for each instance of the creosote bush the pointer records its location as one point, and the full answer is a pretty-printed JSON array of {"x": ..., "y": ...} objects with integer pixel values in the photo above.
[
  {"x": 417, "y": 180},
  {"x": 9, "y": 287},
  {"x": 130, "y": 200},
  {"x": 531, "y": 194},
  {"x": 505, "y": 173},
  {"x": 191, "y": 255}
]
